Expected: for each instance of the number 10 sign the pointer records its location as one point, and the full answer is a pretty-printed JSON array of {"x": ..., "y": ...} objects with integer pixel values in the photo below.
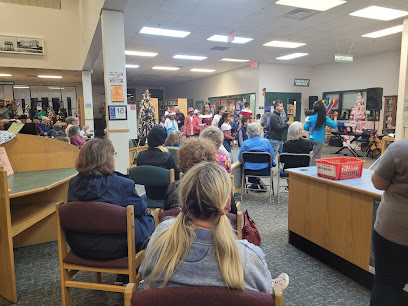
[{"x": 117, "y": 112}]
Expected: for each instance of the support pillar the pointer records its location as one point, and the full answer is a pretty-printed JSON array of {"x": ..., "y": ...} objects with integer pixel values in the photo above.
[
  {"x": 88, "y": 102},
  {"x": 114, "y": 61},
  {"x": 401, "y": 131}
]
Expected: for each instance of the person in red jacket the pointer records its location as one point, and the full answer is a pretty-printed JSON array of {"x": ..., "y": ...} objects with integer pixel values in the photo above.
[
  {"x": 188, "y": 123},
  {"x": 197, "y": 123}
]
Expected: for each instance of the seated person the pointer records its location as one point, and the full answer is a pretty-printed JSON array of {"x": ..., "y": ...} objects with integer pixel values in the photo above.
[
  {"x": 192, "y": 152},
  {"x": 216, "y": 136},
  {"x": 174, "y": 139},
  {"x": 202, "y": 241},
  {"x": 97, "y": 181},
  {"x": 74, "y": 138},
  {"x": 157, "y": 155},
  {"x": 296, "y": 144},
  {"x": 256, "y": 143},
  {"x": 37, "y": 121},
  {"x": 71, "y": 120}
]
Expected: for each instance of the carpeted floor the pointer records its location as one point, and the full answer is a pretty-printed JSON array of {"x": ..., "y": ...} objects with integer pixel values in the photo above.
[{"x": 311, "y": 281}]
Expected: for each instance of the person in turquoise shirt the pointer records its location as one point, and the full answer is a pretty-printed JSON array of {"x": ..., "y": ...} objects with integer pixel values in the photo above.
[{"x": 318, "y": 122}]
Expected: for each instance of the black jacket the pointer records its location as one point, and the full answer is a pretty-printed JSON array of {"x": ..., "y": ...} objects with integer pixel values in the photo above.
[
  {"x": 156, "y": 157},
  {"x": 276, "y": 127}
]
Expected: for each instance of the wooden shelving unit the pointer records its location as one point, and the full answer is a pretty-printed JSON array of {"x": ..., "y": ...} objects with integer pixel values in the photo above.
[{"x": 390, "y": 111}]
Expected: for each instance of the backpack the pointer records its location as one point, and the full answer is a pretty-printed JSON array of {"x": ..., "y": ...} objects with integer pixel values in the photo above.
[{"x": 268, "y": 121}]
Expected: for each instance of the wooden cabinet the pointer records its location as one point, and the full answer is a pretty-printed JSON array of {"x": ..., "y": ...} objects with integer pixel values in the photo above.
[{"x": 390, "y": 111}]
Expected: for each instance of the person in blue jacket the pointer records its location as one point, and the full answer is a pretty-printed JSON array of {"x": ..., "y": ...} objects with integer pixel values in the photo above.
[
  {"x": 256, "y": 143},
  {"x": 317, "y": 122},
  {"x": 98, "y": 182}
]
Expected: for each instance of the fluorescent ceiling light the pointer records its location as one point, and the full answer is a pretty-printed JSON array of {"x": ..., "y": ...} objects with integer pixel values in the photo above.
[
  {"x": 379, "y": 13},
  {"x": 283, "y": 44},
  {"x": 202, "y": 70},
  {"x": 224, "y": 38},
  {"x": 4, "y": 74},
  {"x": 132, "y": 66},
  {"x": 21, "y": 87},
  {"x": 55, "y": 87},
  {"x": 384, "y": 32},
  {"x": 317, "y": 5},
  {"x": 165, "y": 68},
  {"x": 164, "y": 32},
  {"x": 235, "y": 60},
  {"x": 190, "y": 57},
  {"x": 140, "y": 53},
  {"x": 291, "y": 56},
  {"x": 50, "y": 76}
]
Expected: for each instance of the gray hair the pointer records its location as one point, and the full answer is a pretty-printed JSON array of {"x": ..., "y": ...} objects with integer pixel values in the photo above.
[
  {"x": 214, "y": 134},
  {"x": 73, "y": 131},
  {"x": 295, "y": 131},
  {"x": 254, "y": 129},
  {"x": 71, "y": 119}
]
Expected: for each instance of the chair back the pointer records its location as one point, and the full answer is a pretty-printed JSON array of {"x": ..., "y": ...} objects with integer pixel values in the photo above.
[
  {"x": 294, "y": 160},
  {"x": 93, "y": 217},
  {"x": 200, "y": 296},
  {"x": 151, "y": 175},
  {"x": 173, "y": 152},
  {"x": 257, "y": 158}
]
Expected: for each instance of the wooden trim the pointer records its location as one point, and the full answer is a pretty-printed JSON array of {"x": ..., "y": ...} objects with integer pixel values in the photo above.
[
  {"x": 129, "y": 290},
  {"x": 156, "y": 217},
  {"x": 117, "y": 130},
  {"x": 172, "y": 176},
  {"x": 130, "y": 224},
  {"x": 277, "y": 294},
  {"x": 239, "y": 225},
  {"x": 95, "y": 286}
]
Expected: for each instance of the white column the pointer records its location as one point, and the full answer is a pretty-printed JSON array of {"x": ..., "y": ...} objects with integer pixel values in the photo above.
[
  {"x": 88, "y": 102},
  {"x": 114, "y": 61},
  {"x": 402, "y": 116}
]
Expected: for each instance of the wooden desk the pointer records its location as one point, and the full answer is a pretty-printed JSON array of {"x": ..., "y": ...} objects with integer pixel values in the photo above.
[
  {"x": 27, "y": 212},
  {"x": 384, "y": 141},
  {"x": 335, "y": 215}
]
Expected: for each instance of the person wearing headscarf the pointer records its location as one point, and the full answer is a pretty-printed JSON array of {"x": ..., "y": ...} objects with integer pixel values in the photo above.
[{"x": 157, "y": 155}]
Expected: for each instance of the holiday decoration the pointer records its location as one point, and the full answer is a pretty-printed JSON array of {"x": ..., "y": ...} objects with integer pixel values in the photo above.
[
  {"x": 146, "y": 117},
  {"x": 330, "y": 104},
  {"x": 358, "y": 115}
]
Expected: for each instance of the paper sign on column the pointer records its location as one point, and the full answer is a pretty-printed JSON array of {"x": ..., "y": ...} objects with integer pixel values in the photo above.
[
  {"x": 117, "y": 93},
  {"x": 5, "y": 162}
]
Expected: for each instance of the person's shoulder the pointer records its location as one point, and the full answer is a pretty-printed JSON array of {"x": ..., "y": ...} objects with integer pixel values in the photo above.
[
  {"x": 121, "y": 179},
  {"x": 250, "y": 249}
]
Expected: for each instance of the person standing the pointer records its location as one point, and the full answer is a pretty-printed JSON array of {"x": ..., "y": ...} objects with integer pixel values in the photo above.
[
  {"x": 246, "y": 112},
  {"x": 242, "y": 134},
  {"x": 206, "y": 115},
  {"x": 197, "y": 125},
  {"x": 390, "y": 234},
  {"x": 277, "y": 127},
  {"x": 179, "y": 118},
  {"x": 171, "y": 124},
  {"x": 217, "y": 116},
  {"x": 188, "y": 123},
  {"x": 317, "y": 122},
  {"x": 266, "y": 118}
]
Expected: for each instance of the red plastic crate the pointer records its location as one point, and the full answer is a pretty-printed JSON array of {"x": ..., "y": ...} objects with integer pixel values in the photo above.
[{"x": 340, "y": 168}]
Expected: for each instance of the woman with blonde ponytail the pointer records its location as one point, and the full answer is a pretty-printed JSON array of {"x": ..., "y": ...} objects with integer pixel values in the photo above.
[{"x": 199, "y": 246}]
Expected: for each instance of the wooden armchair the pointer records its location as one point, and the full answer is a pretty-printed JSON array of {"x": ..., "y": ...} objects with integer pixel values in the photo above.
[{"x": 101, "y": 218}]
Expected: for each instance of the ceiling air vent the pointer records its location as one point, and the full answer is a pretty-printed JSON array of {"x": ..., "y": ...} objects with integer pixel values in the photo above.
[
  {"x": 218, "y": 48},
  {"x": 300, "y": 14}
]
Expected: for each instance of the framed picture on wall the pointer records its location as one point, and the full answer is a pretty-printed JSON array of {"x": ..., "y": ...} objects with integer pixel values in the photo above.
[{"x": 21, "y": 45}]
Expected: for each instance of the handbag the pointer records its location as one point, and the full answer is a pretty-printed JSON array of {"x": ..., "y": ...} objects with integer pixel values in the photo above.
[{"x": 250, "y": 231}]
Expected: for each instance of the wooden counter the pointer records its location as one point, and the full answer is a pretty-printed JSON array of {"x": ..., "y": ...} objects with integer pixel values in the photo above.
[
  {"x": 43, "y": 168},
  {"x": 335, "y": 215}
]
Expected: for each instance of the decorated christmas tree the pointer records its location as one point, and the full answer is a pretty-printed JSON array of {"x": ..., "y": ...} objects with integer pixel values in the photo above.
[
  {"x": 146, "y": 118},
  {"x": 358, "y": 115}
]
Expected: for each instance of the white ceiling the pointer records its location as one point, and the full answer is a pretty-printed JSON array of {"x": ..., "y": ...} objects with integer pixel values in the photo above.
[{"x": 262, "y": 20}]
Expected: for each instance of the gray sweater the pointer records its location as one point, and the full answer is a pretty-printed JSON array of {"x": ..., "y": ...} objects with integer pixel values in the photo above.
[{"x": 201, "y": 268}]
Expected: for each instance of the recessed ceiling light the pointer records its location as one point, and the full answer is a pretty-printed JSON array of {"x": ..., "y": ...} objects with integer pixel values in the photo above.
[
  {"x": 384, "y": 32},
  {"x": 164, "y": 32},
  {"x": 165, "y": 68},
  {"x": 317, "y": 5},
  {"x": 235, "y": 60},
  {"x": 140, "y": 53},
  {"x": 132, "y": 66},
  {"x": 224, "y": 38},
  {"x": 379, "y": 13},
  {"x": 190, "y": 57},
  {"x": 50, "y": 76},
  {"x": 283, "y": 44},
  {"x": 202, "y": 70},
  {"x": 291, "y": 56},
  {"x": 4, "y": 74}
]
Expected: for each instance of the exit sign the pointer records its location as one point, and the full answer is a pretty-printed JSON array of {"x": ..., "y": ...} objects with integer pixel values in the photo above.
[{"x": 343, "y": 58}]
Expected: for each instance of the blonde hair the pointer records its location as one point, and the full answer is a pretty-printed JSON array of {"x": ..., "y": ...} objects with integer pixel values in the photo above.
[
  {"x": 295, "y": 131},
  {"x": 173, "y": 139},
  {"x": 203, "y": 193}
]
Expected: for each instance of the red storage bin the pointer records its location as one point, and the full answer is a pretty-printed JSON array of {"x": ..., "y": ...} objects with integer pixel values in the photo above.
[{"x": 340, "y": 168}]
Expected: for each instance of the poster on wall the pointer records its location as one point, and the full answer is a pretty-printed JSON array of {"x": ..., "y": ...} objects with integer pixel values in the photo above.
[
  {"x": 21, "y": 45},
  {"x": 117, "y": 93}
]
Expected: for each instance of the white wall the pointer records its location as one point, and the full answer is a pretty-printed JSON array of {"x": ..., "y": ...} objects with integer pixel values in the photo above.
[
  {"x": 59, "y": 28},
  {"x": 234, "y": 82}
]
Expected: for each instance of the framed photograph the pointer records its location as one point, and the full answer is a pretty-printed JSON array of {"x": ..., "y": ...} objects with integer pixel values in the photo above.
[
  {"x": 117, "y": 112},
  {"x": 21, "y": 45}
]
